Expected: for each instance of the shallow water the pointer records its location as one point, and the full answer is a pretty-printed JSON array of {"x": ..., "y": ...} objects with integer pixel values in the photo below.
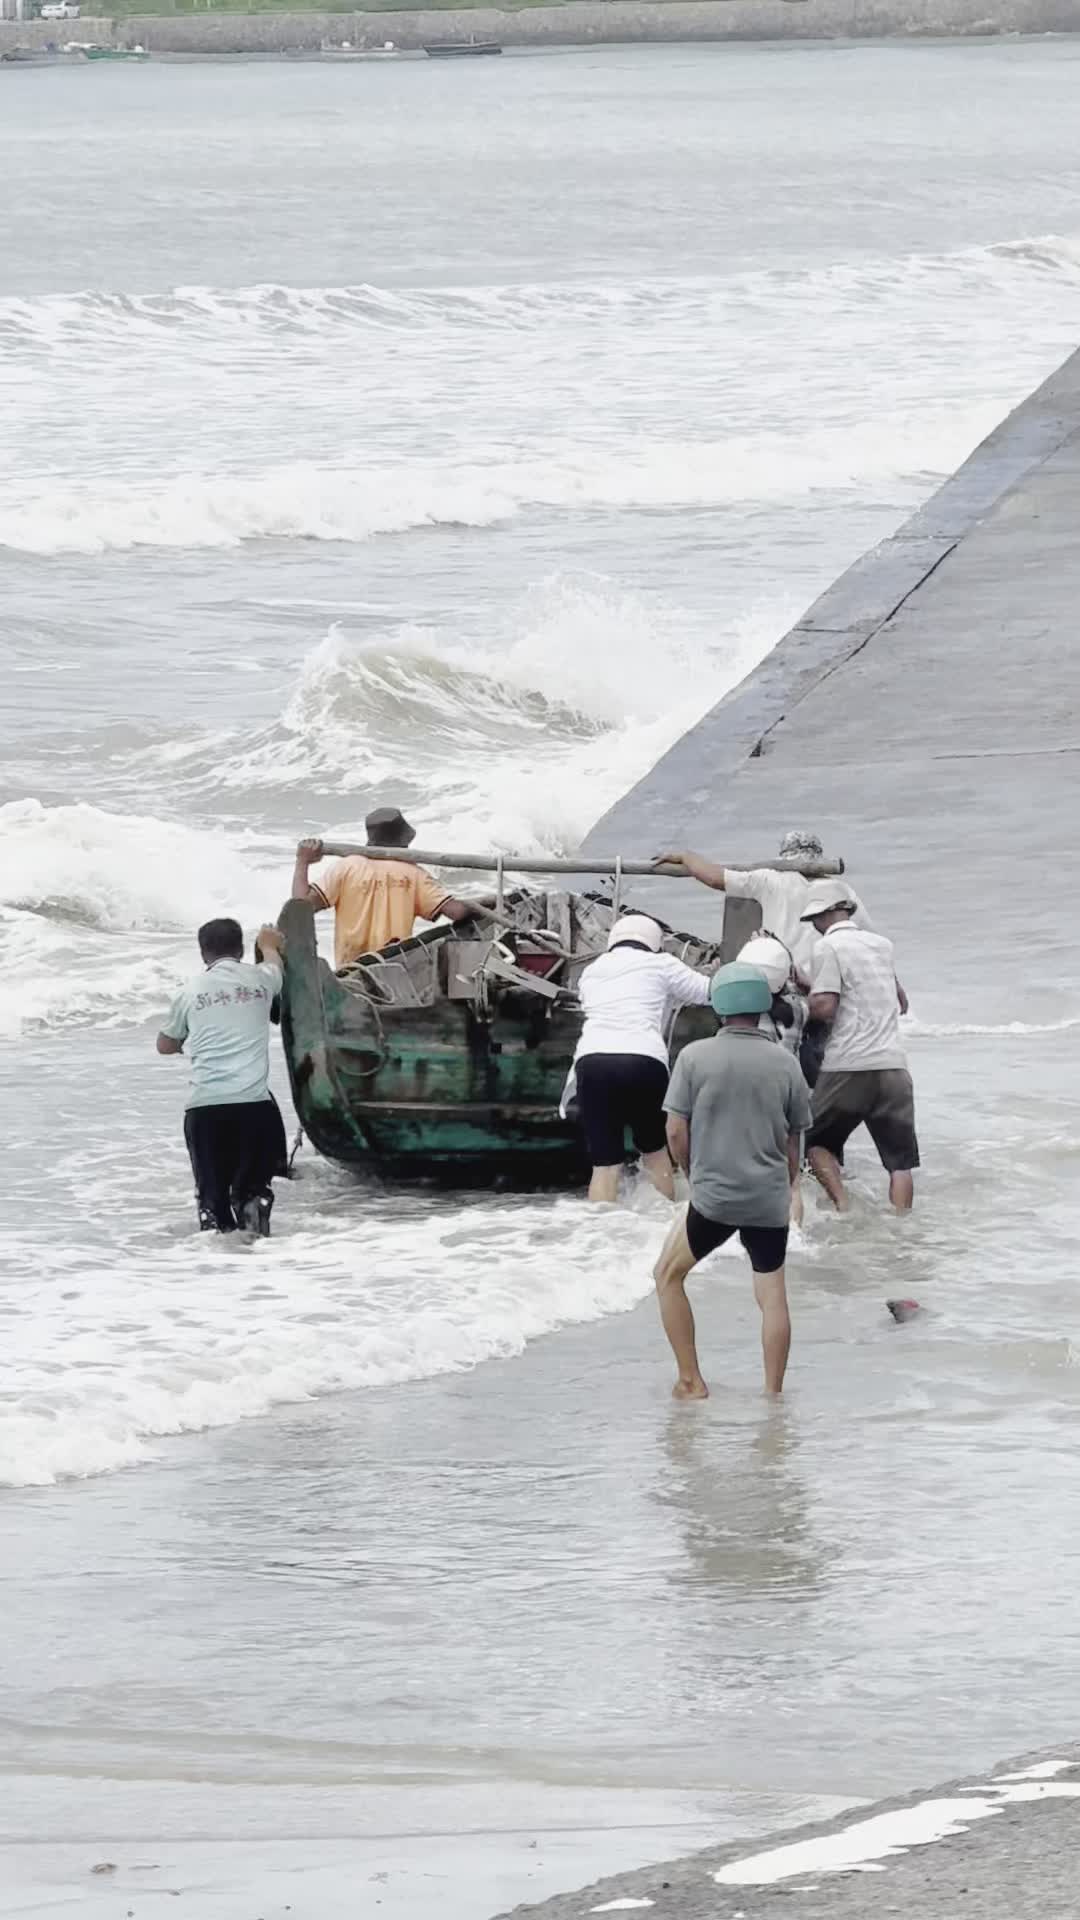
[{"x": 456, "y": 438}]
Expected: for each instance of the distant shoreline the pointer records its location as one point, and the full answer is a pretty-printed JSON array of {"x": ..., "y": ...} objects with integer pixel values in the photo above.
[{"x": 578, "y": 23}]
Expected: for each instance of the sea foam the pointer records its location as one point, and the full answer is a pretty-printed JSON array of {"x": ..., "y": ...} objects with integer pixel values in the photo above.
[{"x": 182, "y": 1335}]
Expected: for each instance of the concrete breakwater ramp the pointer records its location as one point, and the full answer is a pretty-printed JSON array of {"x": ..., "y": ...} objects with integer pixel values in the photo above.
[{"x": 924, "y": 716}]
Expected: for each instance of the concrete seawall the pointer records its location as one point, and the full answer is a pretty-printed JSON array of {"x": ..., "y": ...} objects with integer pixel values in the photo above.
[
  {"x": 921, "y": 716},
  {"x": 578, "y": 23}
]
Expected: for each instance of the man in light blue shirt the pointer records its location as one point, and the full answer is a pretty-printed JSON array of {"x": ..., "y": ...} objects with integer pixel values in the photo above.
[{"x": 232, "y": 1124}]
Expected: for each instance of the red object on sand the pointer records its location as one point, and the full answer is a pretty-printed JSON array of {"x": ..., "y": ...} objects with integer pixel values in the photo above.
[{"x": 903, "y": 1309}]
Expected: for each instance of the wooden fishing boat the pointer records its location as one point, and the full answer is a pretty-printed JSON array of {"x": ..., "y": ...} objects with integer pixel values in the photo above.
[
  {"x": 444, "y": 1056},
  {"x": 462, "y": 49}
]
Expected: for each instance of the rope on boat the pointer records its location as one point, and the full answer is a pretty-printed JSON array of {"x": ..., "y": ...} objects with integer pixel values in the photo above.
[
  {"x": 362, "y": 987},
  {"x": 367, "y": 1072}
]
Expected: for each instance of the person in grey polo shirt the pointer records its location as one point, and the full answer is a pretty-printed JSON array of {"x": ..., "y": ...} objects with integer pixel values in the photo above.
[
  {"x": 736, "y": 1106},
  {"x": 864, "y": 1079},
  {"x": 232, "y": 1124}
]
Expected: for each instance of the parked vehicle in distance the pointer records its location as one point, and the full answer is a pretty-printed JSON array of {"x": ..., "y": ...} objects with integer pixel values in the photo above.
[{"x": 60, "y": 10}]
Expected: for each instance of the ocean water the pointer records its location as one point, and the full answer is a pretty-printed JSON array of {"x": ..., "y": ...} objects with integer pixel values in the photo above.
[{"x": 455, "y": 438}]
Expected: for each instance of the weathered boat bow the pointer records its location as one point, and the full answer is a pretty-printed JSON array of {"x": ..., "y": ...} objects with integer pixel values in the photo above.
[
  {"x": 313, "y": 1014},
  {"x": 424, "y": 1063}
]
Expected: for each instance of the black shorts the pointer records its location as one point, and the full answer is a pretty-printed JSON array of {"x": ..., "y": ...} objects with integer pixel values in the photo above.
[
  {"x": 882, "y": 1100},
  {"x": 766, "y": 1246},
  {"x": 620, "y": 1093}
]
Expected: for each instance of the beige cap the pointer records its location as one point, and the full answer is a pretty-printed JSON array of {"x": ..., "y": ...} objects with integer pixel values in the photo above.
[{"x": 823, "y": 895}]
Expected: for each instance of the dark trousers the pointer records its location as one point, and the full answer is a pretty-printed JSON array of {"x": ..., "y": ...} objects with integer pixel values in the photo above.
[
  {"x": 815, "y": 1039},
  {"x": 235, "y": 1152}
]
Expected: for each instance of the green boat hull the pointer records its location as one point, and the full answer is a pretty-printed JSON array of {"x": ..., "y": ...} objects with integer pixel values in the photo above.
[
  {"x": 427, "y": 1092},
  {"x": 447, "y": 1083}
]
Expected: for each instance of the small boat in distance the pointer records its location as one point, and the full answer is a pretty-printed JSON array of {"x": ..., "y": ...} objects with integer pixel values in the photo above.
[
  {"x": 444, "y": 1056},
  {"x": 462, "y": 49}
]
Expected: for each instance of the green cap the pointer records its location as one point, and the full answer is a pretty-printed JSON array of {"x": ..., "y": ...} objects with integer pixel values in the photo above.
[{"x": 739, "y": 988}]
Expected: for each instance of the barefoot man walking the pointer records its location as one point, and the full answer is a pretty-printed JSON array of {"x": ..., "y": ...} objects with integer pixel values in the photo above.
[
  {"x": 864, "y": 1079},
  {"x": 736, "y": 1107}
]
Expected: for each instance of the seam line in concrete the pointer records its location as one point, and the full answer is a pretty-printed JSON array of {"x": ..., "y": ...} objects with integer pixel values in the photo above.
[{"x": 842, "y": 660}]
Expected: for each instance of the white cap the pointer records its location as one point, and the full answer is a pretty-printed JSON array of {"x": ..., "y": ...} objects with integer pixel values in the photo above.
[
  {"x": 636, "y": 926},
  {"x": 771, "y": 957},
  {"x": 823, "y": 895}
]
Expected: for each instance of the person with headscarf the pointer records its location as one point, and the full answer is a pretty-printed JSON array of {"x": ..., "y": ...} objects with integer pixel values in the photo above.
[
  {"x": 629, "y": 997},
  {"x": 782, "y": 898}
]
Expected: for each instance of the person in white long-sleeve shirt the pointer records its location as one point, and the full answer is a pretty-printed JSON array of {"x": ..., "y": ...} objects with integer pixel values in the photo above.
[{"x": 630, "y": 996}]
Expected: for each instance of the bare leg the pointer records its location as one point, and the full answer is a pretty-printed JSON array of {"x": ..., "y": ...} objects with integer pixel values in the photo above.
[
  {"x": 604, "y": 1184},
  {"x": 770, "y": 1293},
  {"x": 902, "y": 1191},
  {"x": 825, "y": 1167},
  {"x": 670, "y": 1273},
  {"x": 660, "y": 1171}
]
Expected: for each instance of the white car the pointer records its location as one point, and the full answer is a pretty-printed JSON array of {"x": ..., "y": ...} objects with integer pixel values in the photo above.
[{"x": 59, "y": 10}]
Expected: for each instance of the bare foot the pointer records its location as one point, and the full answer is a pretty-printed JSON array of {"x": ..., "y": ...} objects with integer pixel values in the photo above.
[{"x": 690, "y": 1389}]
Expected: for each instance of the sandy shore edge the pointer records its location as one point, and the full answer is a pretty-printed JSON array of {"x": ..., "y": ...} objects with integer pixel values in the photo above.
[{"x": 999, "y": 1842}]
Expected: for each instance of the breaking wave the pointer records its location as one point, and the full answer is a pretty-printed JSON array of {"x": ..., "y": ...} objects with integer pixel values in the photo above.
[
  {"x": 317, "y": 467},
  {"x": 312, "y": 501},
  {"x": 516, "y": 741},
  {"x": 54, "y": 322},
  {"x": 98, "y": 909},
  {"x": 322, "y": 1309},
  {"x": 117, "y": 873}
]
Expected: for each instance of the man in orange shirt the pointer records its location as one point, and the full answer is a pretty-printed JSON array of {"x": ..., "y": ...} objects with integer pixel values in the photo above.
[{"x": 374, "y": 901}]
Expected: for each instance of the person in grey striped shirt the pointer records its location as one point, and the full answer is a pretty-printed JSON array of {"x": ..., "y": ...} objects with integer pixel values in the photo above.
[{"x": 864, "y": 1078}]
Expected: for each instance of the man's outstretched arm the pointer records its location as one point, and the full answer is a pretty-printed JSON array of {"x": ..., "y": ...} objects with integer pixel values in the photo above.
[{"x": 696, "y": 865}]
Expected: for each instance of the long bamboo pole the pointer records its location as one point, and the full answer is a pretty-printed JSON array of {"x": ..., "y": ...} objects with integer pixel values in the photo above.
[{"x": 530, "y": 863}]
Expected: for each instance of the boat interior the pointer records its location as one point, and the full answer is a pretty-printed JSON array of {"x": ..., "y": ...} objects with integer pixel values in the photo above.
[{"x": 538, "y": 943}]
